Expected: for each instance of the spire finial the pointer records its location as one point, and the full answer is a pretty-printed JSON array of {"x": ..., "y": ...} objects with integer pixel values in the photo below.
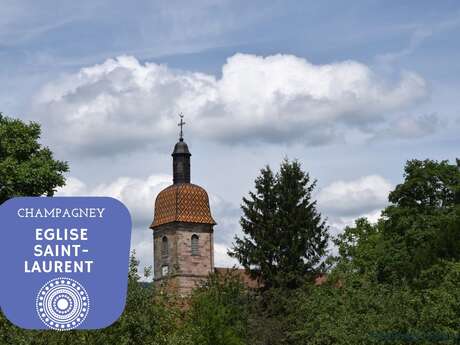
[{"x": 181, "y": 124}]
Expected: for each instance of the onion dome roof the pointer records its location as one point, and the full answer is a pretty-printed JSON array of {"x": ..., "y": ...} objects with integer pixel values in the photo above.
[{"x": 182, "y": 202}]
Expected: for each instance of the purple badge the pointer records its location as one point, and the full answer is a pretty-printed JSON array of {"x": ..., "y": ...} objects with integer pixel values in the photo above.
[{"x": 64, "y": 261}]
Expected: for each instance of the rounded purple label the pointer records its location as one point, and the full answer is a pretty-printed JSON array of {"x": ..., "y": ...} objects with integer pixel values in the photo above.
[{"x": 64, "y": 261}]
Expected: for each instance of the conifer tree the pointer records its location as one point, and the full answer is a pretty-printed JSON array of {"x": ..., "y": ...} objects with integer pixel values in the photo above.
[{"x": 285, "y": 238}]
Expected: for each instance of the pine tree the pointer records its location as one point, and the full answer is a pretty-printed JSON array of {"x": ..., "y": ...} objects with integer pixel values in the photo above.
[
  {"x": 285, "y": 238},
  {"x": 255, "y": 250}
]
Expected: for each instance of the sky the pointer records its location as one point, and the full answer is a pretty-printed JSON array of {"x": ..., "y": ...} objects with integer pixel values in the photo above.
[{"x": 351, "y": 89}]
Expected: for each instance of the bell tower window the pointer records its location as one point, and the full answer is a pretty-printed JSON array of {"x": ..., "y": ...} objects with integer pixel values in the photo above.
[
  {"x": 195, "y": 245},
  {"x": 164, "y": 247}
]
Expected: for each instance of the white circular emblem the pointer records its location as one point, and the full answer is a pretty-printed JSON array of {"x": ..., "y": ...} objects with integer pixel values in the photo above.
[{"x": 62, "y": 304}]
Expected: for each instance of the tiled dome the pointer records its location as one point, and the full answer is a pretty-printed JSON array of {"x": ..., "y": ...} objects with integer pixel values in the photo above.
[{"x": 182, "y": 202}]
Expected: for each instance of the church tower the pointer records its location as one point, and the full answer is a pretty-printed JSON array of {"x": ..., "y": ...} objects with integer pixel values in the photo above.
[{"x": 182, "y": 229}]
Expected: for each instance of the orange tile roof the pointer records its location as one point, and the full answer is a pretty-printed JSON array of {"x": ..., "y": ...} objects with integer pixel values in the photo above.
[{"x": 182, "y": 202}]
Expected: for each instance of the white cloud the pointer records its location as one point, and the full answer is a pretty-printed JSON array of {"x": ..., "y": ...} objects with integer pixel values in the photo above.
[
  {"x": 142, "y": 243},
  {"x": 352, "y": 197},
  {"x": 73, "y": 187},
  {"x": 122, "y": 105},
  {"x": 227, "y": 216},
  {"x": 345, "y": 201},
  {"x": 411, "y": 127},
  {"x": 221, "y": 259}
]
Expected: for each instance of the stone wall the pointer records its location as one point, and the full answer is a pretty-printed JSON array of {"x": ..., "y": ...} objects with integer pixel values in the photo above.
[{"x": 185, "y": 270}]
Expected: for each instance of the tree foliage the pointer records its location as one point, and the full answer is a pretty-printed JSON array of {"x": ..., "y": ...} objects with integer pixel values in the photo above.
[
  {"x": 26, "y": 168},
  {"x": 285, "y": 238},
  {"x": 421, "y": 227},
  {"x": 219, "y": 311},
  {"x": 365, "y": 312}
]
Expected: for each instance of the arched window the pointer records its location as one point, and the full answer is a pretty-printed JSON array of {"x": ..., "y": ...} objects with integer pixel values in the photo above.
[
  {"x": 195, "y": 245},
  {"x": 164, "y": 247}
]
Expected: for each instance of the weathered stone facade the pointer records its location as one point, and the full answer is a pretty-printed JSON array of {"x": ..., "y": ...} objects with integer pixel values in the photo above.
[{"x": 177, "y": 268}]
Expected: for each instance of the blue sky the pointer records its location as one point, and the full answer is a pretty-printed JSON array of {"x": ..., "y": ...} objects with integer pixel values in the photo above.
[{"x": 352, "y": 90}]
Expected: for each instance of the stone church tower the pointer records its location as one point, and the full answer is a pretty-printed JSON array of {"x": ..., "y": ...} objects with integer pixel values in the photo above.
[{"x": 182, "y": 229}]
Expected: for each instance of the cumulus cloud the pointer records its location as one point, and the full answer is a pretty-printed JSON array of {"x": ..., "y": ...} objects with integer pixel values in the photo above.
[
  {"x": 123, "y": 105},
  {"x": 410, "y": 127},
  {"x": 351, "y": 197},
  {"x": 227, "y": 216},
  {"x": 344, "y": 201}
]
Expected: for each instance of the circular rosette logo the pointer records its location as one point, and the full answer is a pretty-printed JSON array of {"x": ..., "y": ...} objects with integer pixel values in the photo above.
[{"x": 62, "y": 304}]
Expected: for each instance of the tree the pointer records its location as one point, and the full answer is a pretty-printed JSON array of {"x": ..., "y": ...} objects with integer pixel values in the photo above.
[
  {"x": 285, "y": 238},
  {"x": 218, "y": 311},
  {"x": 363, "y": 312},
  {"x": 26, "y": 168},
  {"x": 421, "y": 227},
  {"x": 359, "y": 248}
]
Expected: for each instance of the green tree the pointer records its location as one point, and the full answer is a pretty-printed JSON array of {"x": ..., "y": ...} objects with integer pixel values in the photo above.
[
  {"x": 285, "y": 238},
  {"x": 365, "y": 312},
  {"x": 26, "y": 168},
  {"x": 218, "y": 313},
  {"x": 359, "y": 248},
  {"x": 422, "y": 225}
]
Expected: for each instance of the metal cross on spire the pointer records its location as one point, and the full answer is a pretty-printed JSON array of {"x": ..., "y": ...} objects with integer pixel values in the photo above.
[{"x": 181, "y": 124}]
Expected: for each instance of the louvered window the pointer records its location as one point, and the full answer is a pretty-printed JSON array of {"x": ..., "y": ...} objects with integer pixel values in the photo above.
[{"x": 195, "y": 245}]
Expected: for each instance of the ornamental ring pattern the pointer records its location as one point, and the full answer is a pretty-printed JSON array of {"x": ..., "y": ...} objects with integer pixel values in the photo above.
[{"x": 62, "y": 304}]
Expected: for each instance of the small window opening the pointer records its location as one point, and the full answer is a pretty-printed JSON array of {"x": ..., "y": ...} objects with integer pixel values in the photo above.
[
  {"x": 164, "y": 247},
  {"x": 164, "y": 270},
  {"x": 195, "y": 245}
]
